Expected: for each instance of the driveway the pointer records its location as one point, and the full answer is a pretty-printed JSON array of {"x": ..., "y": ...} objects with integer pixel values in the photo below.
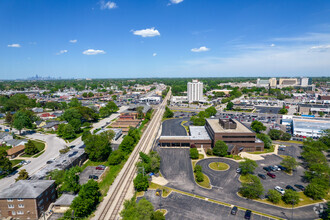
[
  {"x": 176, "y": 168},
  {"x": 173, "y": 127}
]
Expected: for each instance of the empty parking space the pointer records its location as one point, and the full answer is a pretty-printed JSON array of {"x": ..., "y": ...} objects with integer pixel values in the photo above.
[{"x": 173, "y": 127}]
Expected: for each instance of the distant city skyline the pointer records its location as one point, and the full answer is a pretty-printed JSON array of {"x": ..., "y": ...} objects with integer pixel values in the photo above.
[{"x": 164, "y": 38}]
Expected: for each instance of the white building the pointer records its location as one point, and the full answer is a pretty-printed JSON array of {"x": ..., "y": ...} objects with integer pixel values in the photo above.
[
  {"x": 195, "y": 91},
  {"x": 304, "y": 81}
]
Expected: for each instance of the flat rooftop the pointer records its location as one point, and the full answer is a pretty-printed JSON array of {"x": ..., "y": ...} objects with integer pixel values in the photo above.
[
  {"x": 217, "y": 128},
  {"x": 198, "y": 133},
  {"x": 311, "y": 124}
]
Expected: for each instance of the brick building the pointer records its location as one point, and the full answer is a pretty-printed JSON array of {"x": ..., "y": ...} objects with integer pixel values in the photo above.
[{"x": 27, "y": 199}]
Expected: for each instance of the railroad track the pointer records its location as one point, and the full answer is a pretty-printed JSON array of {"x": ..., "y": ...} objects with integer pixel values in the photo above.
[{"x": 113, "y": 205}]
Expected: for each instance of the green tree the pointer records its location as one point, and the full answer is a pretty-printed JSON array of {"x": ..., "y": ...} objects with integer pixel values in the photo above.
[
  {"x": 74, "y": 103},
  {"x": 68, "y": 132},
  {"x": 116, "y": 157},
  {"x": 168, "y": 113},
  {"x": 112, "y": 106},
  {"x": 76, "y": 124},
  {"x": 98, "y": 147},
  {"x": 211, "y": 111},
  {"x": 141, "y": 182},
  {"x": 275, "y": 134},
  {"x": 291, "y": 197},
  {"x": 22, "y": 175},
  {"x": 247, "y": 166},
  {"x": 9, "y": 118},
  {"x": 274, "y": 196},
  {"x": 58, "y": 176},
  {"x": 316, "y": 190},
  {"x": 289, "y": 163},
  {"x": 266, "y": 139},
  {"x": 139, "y": 110},
  {"x": 285, "y": 136},
  {"x": 71, "y": 180},
  {"x": 145, "y": 209},
  {"x": 127, "y": 145},
  {"x": 199, "y": 173},
  {"x": 194, "y": 153},
  {"x": 90, "y": 94},
  {"x": 30, "y": 148},
  {"x": 220, "y": 148},
  {"x": 21, "y": 120},
  {"x": 70, "y": 114},
  {"x": 258, "y": 126},
  {"x": 253, "y": 189},
  {"x": 85, "y": 94},
  {"x": 5, "y": 163},
  {"x": 157, "y": 215},
  {"x": 230, "y": 106}
]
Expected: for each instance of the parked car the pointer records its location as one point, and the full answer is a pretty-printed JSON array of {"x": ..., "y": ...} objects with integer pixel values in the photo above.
[
  {"x": 279, "y": 189},
  {"x": 281, "y": 167},
  {"x": 273, "y": 168},
  {"x": 272, "y": 175},
  {"x": 238, "y": 170},
  {"x": 93, "y": 177},
  {"x": 277, "y": 168},
  {"x": 262, "y": 176},
  {"x": 248, "y": 214},
  {"x": 234, "y": 210},
  {"x": 290, "y": 187},
  {"x": 267, "y": 169},
  {"x": 301, "y": 187},
  {"x": 100, "y": 167}
]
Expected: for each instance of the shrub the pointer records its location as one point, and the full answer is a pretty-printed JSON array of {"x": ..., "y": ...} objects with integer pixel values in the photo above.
[
  {"x": 291, "y": 197},
  {"x": 194, "y": 153},
  {"x": 274, "y": 196},
  {"x": 209, "y": 152},
  {"x": 199, "y": 177}
]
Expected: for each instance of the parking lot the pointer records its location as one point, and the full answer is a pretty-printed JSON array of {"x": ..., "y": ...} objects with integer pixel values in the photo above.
[
  {"x": 181, "y": 206},
  {"x": 173, "y": 127},
  {"x": 90, "y": 170}
]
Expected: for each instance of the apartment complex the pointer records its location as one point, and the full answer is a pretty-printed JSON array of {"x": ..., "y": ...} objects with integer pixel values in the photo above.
[
  {"x": 27, "y": 199},
  {"x": 195, "y": 91}
]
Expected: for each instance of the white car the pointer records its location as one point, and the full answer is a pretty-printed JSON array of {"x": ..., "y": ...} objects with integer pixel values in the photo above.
[
  {"x": 280, "y": 190},
  {"x": 276, "y": 168}
]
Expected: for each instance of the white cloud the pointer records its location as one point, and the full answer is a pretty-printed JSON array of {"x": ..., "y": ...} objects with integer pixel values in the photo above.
[
  {"x": 108, "y": 5},
  {"x": 93, "y": 52},
  {"x": 14, "y": 45},
  {"x": 61, "y": 52},
  {"x": 308, "y": 37},
  {"x": 154, "y": 54},
  {"x": 201, "y": 49},
  {"x": 149, "y": 32},
  {"x": 73, "y": 41},
  {"x": 272, "y": 45},
  {"x": 175, "y": 2},
  {"x": 321, "y": 47}
]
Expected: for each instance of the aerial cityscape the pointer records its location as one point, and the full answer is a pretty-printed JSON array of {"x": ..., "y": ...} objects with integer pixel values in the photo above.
[{"x": 167, "y": 109}]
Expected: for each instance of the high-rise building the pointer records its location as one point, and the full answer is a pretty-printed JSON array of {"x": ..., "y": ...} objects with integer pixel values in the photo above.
[
  {"x": 195, "y": 91},
  {"x": 272, "y": 82},
  {"x": 304, "y": 81}
]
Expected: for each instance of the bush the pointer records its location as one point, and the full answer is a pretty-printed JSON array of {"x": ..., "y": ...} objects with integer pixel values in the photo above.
[
  {"x": 141, "y": 182},
  {"x": 289, "y": 163},
  {"x": 116, "y": 157},
  {"x": 266, "y": 139},
  {"x": 290, "y": 197},
  {"x": 253, "y": 189},
  {"x": 194, "y": 153},
  {"x": 315, "y": 191},
  {"x": 285, "y": 137},
  {"x": 274, "y": 196},
  {"x": 199, "y": 177},
  {"x": 275, "y": 134},
  {"x": 247, "y": 166},
  {"x": 209, "y": 152},
  {"x": 198, "y": 168}
]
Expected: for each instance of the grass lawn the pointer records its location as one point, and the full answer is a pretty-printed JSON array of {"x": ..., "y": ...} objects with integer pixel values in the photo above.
[
  {"x": 219, "y": 166},
  {"x": 244, "y": 178},
  {"x": 186, "y": 127},
  {"x": 205, "y": 183},
  {"x": 304, "y": 200},
  {"x": 38, "y": 154},
  {"x": 294, "y": 142},
  {"x": 110, "y": 176},
  {"x": 200, "y": 156},
  {"x": 91, "y": 163},
  {"x": 270, "y": 150},
  {"x": 15, "y": 162}
]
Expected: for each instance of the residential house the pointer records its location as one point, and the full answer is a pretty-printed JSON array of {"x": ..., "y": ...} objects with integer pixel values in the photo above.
[
  {"x": 51, "y": 125},
  {"x": 5, "y": 136},
  {"x": 47, "y": 116},
  {"x": 63, "y": 203},
  {"x": 16, "y": 142},
  {"x": 27, "y": 199},
  {"x": 38, "y": 110},
  {"x": 15, "y": 151}
]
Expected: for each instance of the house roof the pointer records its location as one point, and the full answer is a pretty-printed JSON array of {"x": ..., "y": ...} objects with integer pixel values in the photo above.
[
  {"x": 16, "y": 149},
  {"x": 4, "y": 134},
  {"x": 15, "y": 142},
  {"x": 51, "y": 124},
  {"x": 65, "y": 200},
  {"x": 26, "y": 189}
]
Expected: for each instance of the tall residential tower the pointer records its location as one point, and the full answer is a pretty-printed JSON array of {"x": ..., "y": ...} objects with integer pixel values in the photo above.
[{"x": 195, "y": 91}]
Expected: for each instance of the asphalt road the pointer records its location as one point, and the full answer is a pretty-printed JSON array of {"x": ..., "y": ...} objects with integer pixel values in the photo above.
[
  {"x": 177, "y": 169},
  {"x": 173, "y": 127}
]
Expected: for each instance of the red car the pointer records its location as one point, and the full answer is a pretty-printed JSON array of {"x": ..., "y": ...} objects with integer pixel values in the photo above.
[
  {"x": 100, "y": 167},
  {"x": 272, "y": 175}
]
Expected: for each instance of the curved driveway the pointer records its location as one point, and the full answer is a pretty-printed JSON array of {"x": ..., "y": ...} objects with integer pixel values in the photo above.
[{"x": 173, "y": 127}]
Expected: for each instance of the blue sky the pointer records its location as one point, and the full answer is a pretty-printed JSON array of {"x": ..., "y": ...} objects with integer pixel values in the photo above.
[{"x": 164, "y": 38}]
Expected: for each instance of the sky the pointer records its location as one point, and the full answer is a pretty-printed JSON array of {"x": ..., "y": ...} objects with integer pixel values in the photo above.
[{"x": 164, "y": 38}]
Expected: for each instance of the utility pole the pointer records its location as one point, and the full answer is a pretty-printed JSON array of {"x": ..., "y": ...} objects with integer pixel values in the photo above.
[{"x": 292, "y": 208}]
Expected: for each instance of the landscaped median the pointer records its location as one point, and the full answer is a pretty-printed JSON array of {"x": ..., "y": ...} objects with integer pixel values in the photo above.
[{"x": 219, "y": 166}]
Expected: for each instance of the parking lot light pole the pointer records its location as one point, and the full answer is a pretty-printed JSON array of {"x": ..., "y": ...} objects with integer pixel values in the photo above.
[{"x": 292, "y": 208}]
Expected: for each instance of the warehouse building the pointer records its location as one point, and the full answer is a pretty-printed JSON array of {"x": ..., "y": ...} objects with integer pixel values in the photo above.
[{"x": 313, "y": 128}]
